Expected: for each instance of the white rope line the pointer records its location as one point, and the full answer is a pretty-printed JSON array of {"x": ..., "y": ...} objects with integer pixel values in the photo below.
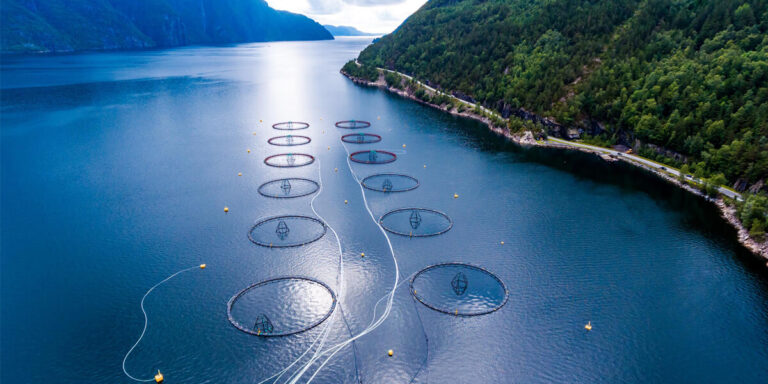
[
  {"x": 391, "y": 295},
  {"x": 146, "y": 322}
]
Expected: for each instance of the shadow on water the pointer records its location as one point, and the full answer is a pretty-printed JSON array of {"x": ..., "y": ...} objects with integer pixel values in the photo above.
[{"x": 696, "y": 212}]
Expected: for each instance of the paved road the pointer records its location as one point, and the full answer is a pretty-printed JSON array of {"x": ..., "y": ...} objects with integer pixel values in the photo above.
[{"x": 652, "y": 164}]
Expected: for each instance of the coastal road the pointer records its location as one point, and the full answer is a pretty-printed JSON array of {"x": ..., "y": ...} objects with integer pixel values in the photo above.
[
  {"x": 640, "y": 160},
  {"x": 646, "y": 162}
]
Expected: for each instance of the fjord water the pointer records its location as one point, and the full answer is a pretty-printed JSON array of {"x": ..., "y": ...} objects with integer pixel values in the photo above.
[{"x": 116, "y": 168}]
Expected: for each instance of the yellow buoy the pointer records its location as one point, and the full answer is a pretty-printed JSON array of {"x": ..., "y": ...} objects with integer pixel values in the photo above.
[
  {"x": 335, "y": 169},
  {"x": 345, "y": 202},
  {"x": 239, "y": 173},
  {"x": 329, "y": 148},
  {"x": 502, "y": 243},
  {"x": 226, "y": 209},
  {"x": 260, "y": 121},
  {"x": 202, "y": 266},
  {"x": 588, "y": 327},
  {"x": 403, "y": 145},
  {"x": 455, "y": 195},
  {"x": 425, "y": 165},
  {"x": 249, "y": 151},
  {"x": 378, "y": 117},
  {"x": 390, "y": 353},
  {"x": 159, "y": 377},
  {"x": 362, "y": 254}
]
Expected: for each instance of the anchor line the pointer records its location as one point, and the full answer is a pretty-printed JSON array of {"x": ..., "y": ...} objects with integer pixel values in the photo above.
[{"x": 146, "y": 322}]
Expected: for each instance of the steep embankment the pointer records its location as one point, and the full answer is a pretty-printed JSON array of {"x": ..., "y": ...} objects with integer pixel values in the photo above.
[
  {"x": 690, "y": 78},
  {"x": 681, "y": 82},
  {"x": 73, "y": 25}
]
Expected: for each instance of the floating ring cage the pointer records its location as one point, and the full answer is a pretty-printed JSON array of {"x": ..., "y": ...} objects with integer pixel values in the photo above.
[
  {"x": 288, "y": 188},
  {"x": 416, "y": 222},
  {"x": 390, "y": 182},
  {"x": 289, "y": 160},
  {"x": 281, "y": 312},
  {"x": 353, "y": 124},
  {"x": 286, "y": 231},
  {"x": 361, "y": 138},
  {"x": 290, "y": 125},
  {"x": 459, "y": 289},
  {"x": 373, "y": 157},
  {"x": 289, "y": 140}
]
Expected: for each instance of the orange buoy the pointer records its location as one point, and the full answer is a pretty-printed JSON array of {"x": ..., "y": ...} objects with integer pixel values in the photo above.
[{"x": 202, "y": 266}]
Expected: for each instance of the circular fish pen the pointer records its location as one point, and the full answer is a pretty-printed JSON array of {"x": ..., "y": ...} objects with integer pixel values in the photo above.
[
  {"x": 416, "y": 222},
  {"x": 281, "y": 306},
  {"x": 353, "y": 124},
  {"x": 390, "y": 182},
  {"x": 459, "y": 289},
  {"x": 289, "y": 140},
  {"x": 361, "y": 138},
  {"x": 288, "y": 188},
  {"x": 373, "y": 157},
  {"x": 290, "y": 125},
  {"x": 289, "y": 160},
  {"x": 286, "y": 231}
]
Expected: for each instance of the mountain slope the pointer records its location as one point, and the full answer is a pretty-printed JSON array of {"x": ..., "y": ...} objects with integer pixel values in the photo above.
[
  {"x": 70, "y": 25},
  {"x": 679, "y": 80},
  {"x": 343, "y": 30}
]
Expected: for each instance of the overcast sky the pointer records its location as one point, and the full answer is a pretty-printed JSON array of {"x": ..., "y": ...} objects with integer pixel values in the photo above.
[{"x": 366, "y": 15}]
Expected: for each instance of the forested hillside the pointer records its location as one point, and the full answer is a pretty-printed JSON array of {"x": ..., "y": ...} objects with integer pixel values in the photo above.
[
  {"x": 72, "y": 25},
  {"x": 683, "y": 81}
]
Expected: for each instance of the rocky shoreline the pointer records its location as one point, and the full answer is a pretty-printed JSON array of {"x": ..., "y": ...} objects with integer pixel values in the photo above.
[{"x": 728, "y": 212}]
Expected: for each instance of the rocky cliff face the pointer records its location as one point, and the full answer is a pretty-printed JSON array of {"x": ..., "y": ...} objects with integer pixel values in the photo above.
[{"x": 72, "y": 25}]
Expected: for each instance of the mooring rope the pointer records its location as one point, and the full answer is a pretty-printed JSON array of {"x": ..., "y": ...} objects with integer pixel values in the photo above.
[
  {"x": 146, "y": 322},
  {"x": 391, "y": 295}
]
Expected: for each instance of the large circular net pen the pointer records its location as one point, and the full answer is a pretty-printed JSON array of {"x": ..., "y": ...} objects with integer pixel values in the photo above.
[
  {"x": 373, "y": 157},
  {"x": 390, "y": 182},
  {"x": 290, "y": 125},
  {"x": 361, "y": 138},
  {"x": 416, "y": 222},
  {"x": 289, "y": 140},
  {"x": 288, "y": 188},
  {"x": 353, "y": 124},
  {"x": 289, "y": 160},
  {"x": 281, "y": 306},
  {"x": 286, "y": 231},
  {"x": 459, "y": 289}
]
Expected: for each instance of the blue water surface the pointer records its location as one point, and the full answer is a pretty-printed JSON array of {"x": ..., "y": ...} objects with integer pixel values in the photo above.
[{"x": 116, "y": 168}]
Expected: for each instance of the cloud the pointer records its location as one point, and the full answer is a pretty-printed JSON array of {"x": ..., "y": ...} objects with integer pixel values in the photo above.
[
  {"x": 325, "y": 7},
  {"x": 373, "y": 3}
]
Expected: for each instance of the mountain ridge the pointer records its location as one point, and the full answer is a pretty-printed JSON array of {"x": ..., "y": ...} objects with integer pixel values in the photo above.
[{"x": 76, "y": 25}]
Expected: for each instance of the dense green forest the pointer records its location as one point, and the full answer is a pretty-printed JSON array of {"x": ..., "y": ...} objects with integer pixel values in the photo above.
[
  {"x": 73, "y": 25},
  {"x": 690, "y": 76},
  {"x": 684, "y": 82}
]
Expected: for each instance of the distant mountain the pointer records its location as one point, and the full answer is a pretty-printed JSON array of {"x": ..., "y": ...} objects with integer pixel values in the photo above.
[
  {"x": 343, "y": 30},
  {"x": 73, "y": 25}
]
